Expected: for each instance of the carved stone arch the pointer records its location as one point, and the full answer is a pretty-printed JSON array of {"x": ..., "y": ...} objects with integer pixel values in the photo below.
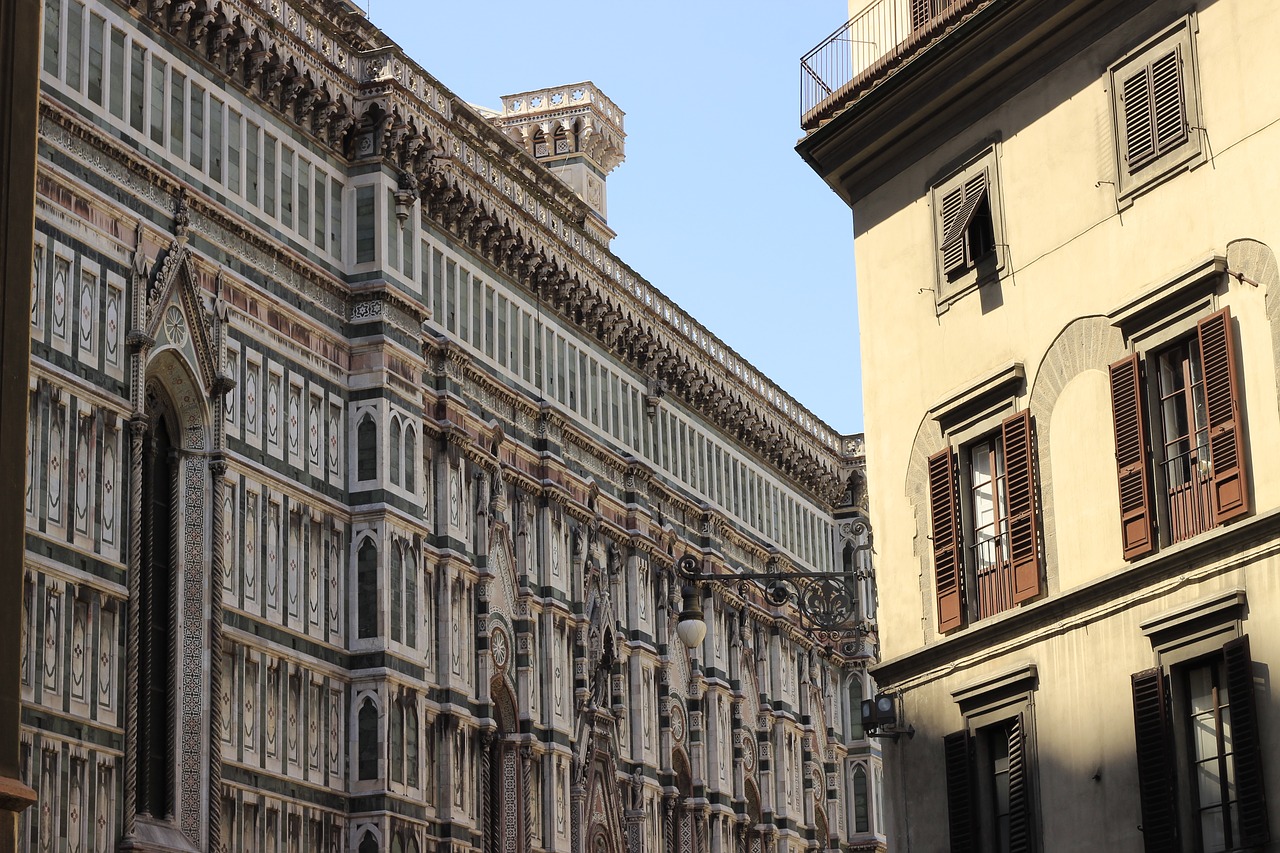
[
  {"x": 1084, "y": 344},
  {"x": 176, "y": 286}
]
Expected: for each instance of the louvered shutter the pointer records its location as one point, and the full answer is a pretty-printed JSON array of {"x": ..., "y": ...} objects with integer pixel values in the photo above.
[
  {"x": 1167, "y": 102},
  {"x": 960, "y": 798},
  {"x": 946, "y": 540},
  {"x": 1252, "y": 800},
  {"x": 1153, "y": 732},
  {"x": 1132, "y": 458},
  {"x": 1019, "y": 789},
  {"x": 1139, "y": 135},
  {"x": 1222, "y": 408},
  {"x": 1020, "y": 488},
  {"x": 958, "y": 207}
]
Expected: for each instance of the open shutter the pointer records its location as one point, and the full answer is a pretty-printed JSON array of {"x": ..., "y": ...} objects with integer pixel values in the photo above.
[
  {"x": 1139, "y": 133},
  {"x": 960, "y": 798},
  {"x": 1020, "y": 486},
  {"x": 1019, "y": 789},
  {"x": 956, "y": 219},
  {"x": 1132, "y": 462},
  {"x": 1153, "y": 730},
  {"x": 1222, "y": 407},
  {"x": 946, "y": 540},
  {"x": 1252, "y": 800},
  {"x": 1167, "y": 103}
]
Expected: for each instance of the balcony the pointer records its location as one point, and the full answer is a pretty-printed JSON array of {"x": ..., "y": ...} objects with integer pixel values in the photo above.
[{"x": 869, "y": 47}]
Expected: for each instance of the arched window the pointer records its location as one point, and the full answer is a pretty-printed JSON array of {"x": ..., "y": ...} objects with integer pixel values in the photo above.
[
  {"x": 411, "y": 747},
  {"x": 394, "y": 451},
  {"x": 367, "y": 449},
  {"x": 397, "y": 743},
  {"x": 368, "y": 743},
  {"x": 367, "y": 590},
  {"x": 410, "y": 460},
  {"x": 397, "y": 576},
  {"x": 410, "y": 597},
  {"x": 368, "y": 844},
  {"x": 854, "y": 717},
  {"x": 159, "y": 473},
  {"x": 397, "y": 846},
  {"x": 861, "y": 819}
]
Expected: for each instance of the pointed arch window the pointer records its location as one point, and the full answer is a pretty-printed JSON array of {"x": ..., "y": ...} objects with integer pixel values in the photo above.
[
  {"x": 411, "y": 746},
  {"x": 410, "y": 597},
  {"x": 367, "y": 449},
  {"x": 397, "y": 579},
  {"x": 397, "y": 745},
  {"x": 367, "y": 733},
  {"x": 394, "y": 451},
  {"x": 410, "y": 460},
  {"x": 367, "y": 590},
  {"x": 155, "y": 723},
  {"x": 861, "y": 812},
  {"x": 368, "y": 844}
]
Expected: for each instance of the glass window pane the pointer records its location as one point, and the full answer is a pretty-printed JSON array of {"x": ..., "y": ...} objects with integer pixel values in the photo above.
[
  {"x": 97, "y": 28},
  {"x": 177, "y": 111},
  {"x": 138, "y": 89},
  {"x": 158, "y": 69},
  {"x": 75, "y": 46},
  {"x": 117, "y": 73}
]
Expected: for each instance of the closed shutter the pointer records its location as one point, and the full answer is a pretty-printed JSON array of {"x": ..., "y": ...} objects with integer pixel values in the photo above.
[
  {"x": 958, "y": 207},
  {"x": 946, "y": 540},
  {"x": 1132, "y": 458},
  {"x": 960, "y": 798},
  {"x": 1019, "y": 789},
  {"x": 1252, "y": 800},
  {"x": 1153, "y": 731},
  {"x": 1167, "y": 102},
  {"x": 1154, "y": 106},
  {"x": 1222, "y": 408},
  {"x": 1020, "y": 486}
]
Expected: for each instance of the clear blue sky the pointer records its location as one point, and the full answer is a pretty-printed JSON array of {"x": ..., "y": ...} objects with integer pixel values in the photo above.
[{"x": 712, "y": 205}]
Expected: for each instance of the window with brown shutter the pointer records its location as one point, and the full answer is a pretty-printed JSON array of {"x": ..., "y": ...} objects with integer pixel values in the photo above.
[
  {"x": 946, "y": 540},
  {"x": 1194, "y": 458},
  {"x": 1156, "y": 109},
  {"x": 959, "y": 772},
  {"x": 989, "y": 786},
  {"x": 1200, "y": 768}
]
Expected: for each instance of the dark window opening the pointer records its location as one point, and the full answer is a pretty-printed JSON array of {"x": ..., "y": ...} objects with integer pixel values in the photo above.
[
  {"x": 368, "y": 745},
  {"x": 367, "y": 591},
  {"x": 367, "y": 449},
  {"x": 155, "y": 708}
]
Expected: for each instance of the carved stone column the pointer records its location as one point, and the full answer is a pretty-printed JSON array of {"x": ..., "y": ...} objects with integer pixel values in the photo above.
[
  {"x": 137, "y": 427},
  {"x": 217, "y": 471}
]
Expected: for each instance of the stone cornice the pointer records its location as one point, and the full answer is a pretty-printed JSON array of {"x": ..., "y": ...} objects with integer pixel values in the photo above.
[{"x": 353, "y": 89}]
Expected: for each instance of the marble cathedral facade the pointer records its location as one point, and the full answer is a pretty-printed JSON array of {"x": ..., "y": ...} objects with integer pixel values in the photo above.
[{"x": 359, "y": 467}]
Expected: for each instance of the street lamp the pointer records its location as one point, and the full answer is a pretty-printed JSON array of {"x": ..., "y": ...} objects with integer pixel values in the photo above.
[{"x": 692, "y": 628}]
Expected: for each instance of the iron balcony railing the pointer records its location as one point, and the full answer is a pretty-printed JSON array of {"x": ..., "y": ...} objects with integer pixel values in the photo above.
[{"x": 871, "y": 43}]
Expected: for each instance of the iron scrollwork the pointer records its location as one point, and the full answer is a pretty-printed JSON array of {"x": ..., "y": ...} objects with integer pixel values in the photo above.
[{"x": 827, "y": 602}]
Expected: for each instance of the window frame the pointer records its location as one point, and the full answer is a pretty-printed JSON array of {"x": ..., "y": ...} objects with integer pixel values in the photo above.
[
  {"x": 977, "y": 271},
  {"x": 1187, "y": 154},
  {"x": 1163, "y": 318}
]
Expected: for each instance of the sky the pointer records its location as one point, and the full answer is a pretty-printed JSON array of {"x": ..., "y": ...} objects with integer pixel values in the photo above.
[{"x": 712, "y": 205}]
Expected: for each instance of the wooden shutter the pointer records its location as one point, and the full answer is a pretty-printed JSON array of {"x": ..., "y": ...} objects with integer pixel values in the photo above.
[
  {"x": 1139, "y": 135},
  {"x": 957, "y": 752},
  {"x": 946, "y": 540},
  {"x": 1222, "y": 407},
  {"x": 1019, "y": 789},
  {"x": 1252, "y": 800},
  {"x": 1168, "y": 108},
  {"x": 1020, "y": 488},
  {"x": 958, "y": 207},
  {"x": 1153, "y": 731},
  {"x": 1133, "y": 467}
]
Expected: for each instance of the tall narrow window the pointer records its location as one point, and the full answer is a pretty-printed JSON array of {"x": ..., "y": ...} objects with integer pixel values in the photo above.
[
  {"x": 269, "y": 174},
  {"x": 252, "y": 163},
  {"x": 393, "y": 452},
  {"x": 155, "y": 794},
  {"x": 365, "y": 230},
  {"x": 367, "y": 734},
  {"x": 117, "y": 73},
  {"x": 397, "y": 600},
  {"x": 52, "y": 36},
  {"x": 233, "y": 150},
  {"x": 158, "y": 69},
  {"x": 410, "y": 598},
  {"x": 410, "y": 461},
  {"x": 195, "y": 150},
  {"x": 397, "y": 741},
  {"x": 286, "y": 186},
  {"x": 861, "y": 812},
  {"x": 75, "y": 46},
  {"x": 321, "y": 221},
  {"x": 215, "y": 139},
  {"x": 177, "y": 111},
  {"x": 335, "y": 218},
  {"x": 367, "y": 449},
  {"x": 367, "y": 591},
  {"x": 97, "y": 29},
  {"x": 138, "y": 89},
  {"x": 411, "y": 743}
]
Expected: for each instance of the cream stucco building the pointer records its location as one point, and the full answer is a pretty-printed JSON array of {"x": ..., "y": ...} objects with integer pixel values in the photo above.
[{"x": 1065, "y": 230}]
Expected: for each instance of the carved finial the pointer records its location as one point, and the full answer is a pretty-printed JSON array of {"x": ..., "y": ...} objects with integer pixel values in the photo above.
[
  {"x": 139, "y": 256},
  {"x": 181, "y": 217}
]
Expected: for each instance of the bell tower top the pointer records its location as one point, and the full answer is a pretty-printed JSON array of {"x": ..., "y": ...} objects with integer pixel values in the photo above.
[{"x": 576, "y": 132}]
